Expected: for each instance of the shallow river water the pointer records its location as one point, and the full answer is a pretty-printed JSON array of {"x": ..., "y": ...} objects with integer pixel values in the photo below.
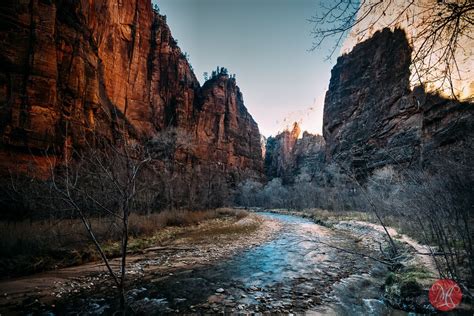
[{"x": 298, "y": 271}]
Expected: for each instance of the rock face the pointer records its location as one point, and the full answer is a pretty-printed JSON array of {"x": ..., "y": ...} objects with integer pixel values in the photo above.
[
  {"x": 373, "y": 119},
  {"x": 227, "y": 131},
  {"x": 287, "y": 154},
  {"x": 69, "y": 68},
  {"x": 279, "y": 160},
  {"x": 309, "y": 153}
]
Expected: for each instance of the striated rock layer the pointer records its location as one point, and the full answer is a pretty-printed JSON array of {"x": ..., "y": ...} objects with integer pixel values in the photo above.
[
  {"x": 69, "y": 68},
  {"x": 372, "y": 119}
]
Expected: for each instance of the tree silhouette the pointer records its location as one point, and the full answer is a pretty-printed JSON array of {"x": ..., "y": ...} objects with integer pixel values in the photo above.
[
  {"x": 220, "y": 71},
  {"x": 442, "y": 35}
]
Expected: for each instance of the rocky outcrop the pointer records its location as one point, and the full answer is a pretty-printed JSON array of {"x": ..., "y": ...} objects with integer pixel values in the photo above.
[
  {"x": 279, "y": 160},
  {"x": 309, "y": 154},
  {"x": 72, "y": 68},
  {"x": 227, "y": 133},
  {"x": 372, "y": 119},
  {"x": 287, "y": 155},
  {"x": 447, "y": 134}
]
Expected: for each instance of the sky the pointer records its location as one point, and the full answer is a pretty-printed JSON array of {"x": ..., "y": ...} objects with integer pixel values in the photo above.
[{"x": 266, "y": 44}]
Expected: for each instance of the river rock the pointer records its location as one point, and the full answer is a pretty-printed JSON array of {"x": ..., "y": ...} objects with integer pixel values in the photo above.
[{"x": 215, "y": 299}]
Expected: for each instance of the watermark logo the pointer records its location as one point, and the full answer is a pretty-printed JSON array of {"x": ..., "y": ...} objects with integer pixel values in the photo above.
[{"x": 445, "y": 295}]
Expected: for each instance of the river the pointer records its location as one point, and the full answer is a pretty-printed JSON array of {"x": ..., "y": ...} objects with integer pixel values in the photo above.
[{"x": 303, "y": 269}]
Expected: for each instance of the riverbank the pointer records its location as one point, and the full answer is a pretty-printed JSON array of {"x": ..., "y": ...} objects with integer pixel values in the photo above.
[
  {"x": 153, "y": 257},
  {"x": 292, "y": 272},
  {"x": 261, "y": 263},
  {"x": 29, "y": 247},
  {"x": 409, "y": 275}
]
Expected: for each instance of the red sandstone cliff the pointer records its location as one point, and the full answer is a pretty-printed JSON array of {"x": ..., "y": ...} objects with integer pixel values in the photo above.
[{"x": 69, "y": 68}]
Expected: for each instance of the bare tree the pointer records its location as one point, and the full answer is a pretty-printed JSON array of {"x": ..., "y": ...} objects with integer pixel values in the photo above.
[
  {"x": 441, "y": 32},
  {"x": 434, "y": 209},
  {"x": 166, "y": 147},
  {"x": 248, "y": 193},
  {"x": 102, "y": 179},
  {"x": 275, "y": 194}
]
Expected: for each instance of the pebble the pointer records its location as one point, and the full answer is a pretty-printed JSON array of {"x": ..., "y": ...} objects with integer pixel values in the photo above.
[
  {"x": 215, "y": 299},
  {"x": 220, "y": 290}
]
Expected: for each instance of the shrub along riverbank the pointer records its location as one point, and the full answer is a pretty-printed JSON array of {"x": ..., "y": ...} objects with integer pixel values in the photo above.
[
  {"x": 411, "y": 272},
  {"x": 33, "y": 246}
]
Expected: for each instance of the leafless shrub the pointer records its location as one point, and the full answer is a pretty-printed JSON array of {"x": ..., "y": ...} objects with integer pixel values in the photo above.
[
  {"x": 105, "y": 179},
  {"x": 332, "y": 190},
  {"x": 248, "y": 193},
  {"x": 186, "y": 182},
  {"x": 435, "y": 209}
]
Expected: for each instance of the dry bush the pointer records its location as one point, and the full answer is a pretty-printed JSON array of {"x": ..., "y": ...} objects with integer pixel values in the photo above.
[
  {"x": 31, "y": 246},
  {"x": 432, "y": 205},
  {"x": 328, "y": 216},
  {"x": 175, "y": 218},
  {"x": 40, "y": 237},
  {"x": 333, "y": 190},
  {"x": 225, "y": 228},
  {"x": 435, "y": 209}
]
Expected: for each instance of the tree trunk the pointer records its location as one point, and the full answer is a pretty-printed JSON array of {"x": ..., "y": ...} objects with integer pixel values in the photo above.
[{"x": 124, "y": 260}]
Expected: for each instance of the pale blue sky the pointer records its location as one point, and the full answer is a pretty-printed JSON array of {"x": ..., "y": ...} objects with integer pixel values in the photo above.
[{"x": 265, "y": 43}]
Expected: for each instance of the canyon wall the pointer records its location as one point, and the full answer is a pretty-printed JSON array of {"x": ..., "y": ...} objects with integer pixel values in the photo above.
[
  {"x": 73, "y": 68},
  {"x": 288, "y": 155},
  {"x": 373, "y": 119}
]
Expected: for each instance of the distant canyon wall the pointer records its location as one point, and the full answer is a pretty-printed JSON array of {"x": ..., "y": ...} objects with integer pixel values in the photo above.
[
  {"x": 288, "y": 155},
  {"x": 72, "y": 68}
]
